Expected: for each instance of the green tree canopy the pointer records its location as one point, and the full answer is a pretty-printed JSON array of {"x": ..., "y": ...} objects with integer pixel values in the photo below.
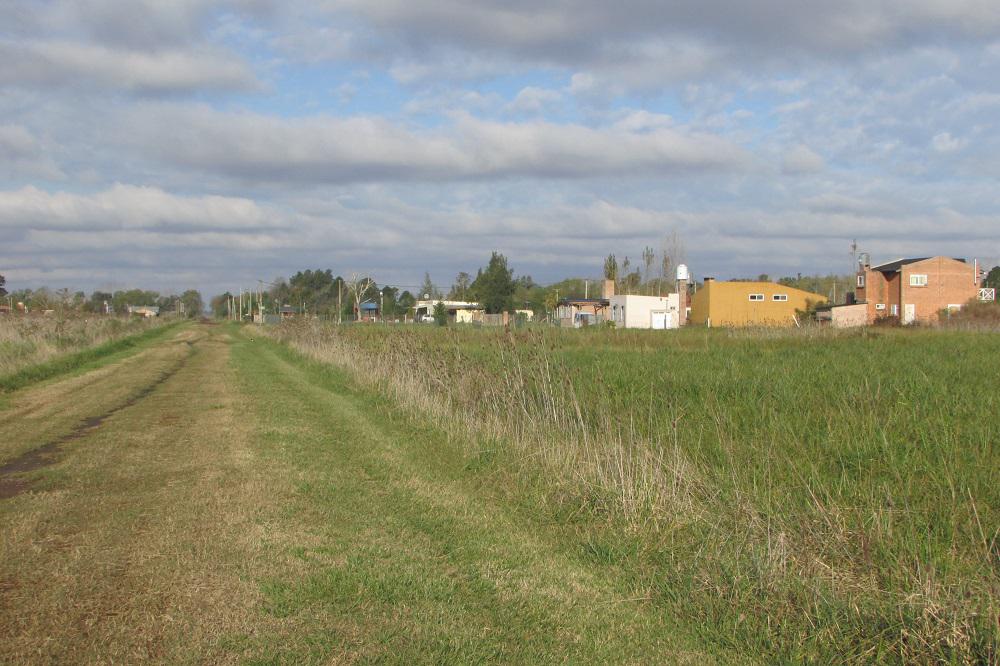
[
  {"x": 993, "y": 278},
  {"x": 494, "y": 287}
]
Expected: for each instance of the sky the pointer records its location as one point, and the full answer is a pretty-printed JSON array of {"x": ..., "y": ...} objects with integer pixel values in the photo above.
[{"x": 211, "y": 143}]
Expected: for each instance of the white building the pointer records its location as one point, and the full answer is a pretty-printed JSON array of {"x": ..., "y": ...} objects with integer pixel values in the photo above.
[
  {"x": 658, "y": 312},
  {"x": 460, "y": 312}
]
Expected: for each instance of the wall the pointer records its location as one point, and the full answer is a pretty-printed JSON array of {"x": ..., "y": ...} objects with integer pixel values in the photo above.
[
  {"x": 848, "y": 316},
  {"x": 949, "y": 282},
  {"x": 729, "y": 304},
  {"x": 638, "y": 309}
]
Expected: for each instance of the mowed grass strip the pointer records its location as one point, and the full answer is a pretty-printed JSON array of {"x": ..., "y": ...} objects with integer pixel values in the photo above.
[
  {"x": 411, "y": 557},
  {"x": 145, "y": 541},
  {"x": 43, "y": 412}
]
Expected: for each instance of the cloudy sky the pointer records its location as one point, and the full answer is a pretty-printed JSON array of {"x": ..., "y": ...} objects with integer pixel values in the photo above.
[{"x": 198, "y": 143}]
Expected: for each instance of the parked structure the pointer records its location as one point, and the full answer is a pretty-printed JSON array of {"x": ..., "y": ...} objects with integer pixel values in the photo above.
[
  {"x": 749, "y": 304},
  {"x": 915, "y": 290}
]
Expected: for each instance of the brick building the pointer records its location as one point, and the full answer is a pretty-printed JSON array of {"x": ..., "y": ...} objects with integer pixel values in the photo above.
[{"x": 915, "y": 290}]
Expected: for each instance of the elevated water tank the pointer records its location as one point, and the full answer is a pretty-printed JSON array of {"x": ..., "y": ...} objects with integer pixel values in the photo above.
[{"x": 682, "y": 273}]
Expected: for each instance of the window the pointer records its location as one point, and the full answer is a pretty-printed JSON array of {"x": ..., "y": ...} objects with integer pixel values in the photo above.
[
  {"x": 781, "y": 298},
  {"x": 918, "y": 280},
  {"x": 756, "y": 297},
  {"x": 880, "y": 306},
  {"x": 861, "y": 281},
  {"x": 894, "y": 310}
]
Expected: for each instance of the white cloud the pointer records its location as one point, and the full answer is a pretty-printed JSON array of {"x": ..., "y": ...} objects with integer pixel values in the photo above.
[
  {"x": 944, "y": 142},
  {"x": 130, "y": 208},
  {"x": 324, "y": 149},
  {"x": 802, "y": 160},
  {"x": 77, "y": 64},
  {"x": 533, "y": 100}
]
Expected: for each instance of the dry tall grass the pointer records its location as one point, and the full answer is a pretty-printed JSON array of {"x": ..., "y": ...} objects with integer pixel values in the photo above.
[{"x": 29, "y": 340}]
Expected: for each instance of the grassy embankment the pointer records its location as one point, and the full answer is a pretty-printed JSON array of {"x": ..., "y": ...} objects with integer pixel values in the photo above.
[
  {"x": 788, "y": 495},
  {"x": 37, "y": 348}
]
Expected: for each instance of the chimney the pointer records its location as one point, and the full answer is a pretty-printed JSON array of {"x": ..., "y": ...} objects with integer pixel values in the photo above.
[
  {"x": 608, "y": 289},
  {"x": 709, "y": 279}
]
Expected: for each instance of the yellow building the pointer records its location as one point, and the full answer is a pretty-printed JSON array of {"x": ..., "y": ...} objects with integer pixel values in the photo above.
[{"x": 749, "y": 304}]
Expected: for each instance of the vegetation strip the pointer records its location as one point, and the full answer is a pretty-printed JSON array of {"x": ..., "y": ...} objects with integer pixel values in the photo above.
[{"x": 81, "y": 360}]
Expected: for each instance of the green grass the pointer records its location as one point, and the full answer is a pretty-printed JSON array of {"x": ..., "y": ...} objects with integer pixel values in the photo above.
[
  {"x": 793, "y": 496},
  {"x": 83, "y": 360},
  {"x": 413, "y": 557}
]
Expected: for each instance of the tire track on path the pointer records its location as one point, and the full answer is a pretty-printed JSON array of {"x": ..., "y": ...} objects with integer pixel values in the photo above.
[{"x": 12, "y": 482}]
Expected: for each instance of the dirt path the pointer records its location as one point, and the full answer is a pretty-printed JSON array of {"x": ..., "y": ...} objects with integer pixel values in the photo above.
[{"x": 235, "y": 504}]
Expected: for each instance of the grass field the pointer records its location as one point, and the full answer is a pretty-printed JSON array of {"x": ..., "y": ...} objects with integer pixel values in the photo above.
[
  {"x": 794, "y": 496},
  {"x": 27, "y": 341},
  {"x": 208, "y": 494}
]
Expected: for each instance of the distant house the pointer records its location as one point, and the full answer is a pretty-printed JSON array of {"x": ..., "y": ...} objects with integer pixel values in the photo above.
[
  {"x": 286, "y": 312},
  {"x": 368, "y": 311},
  {"x": 147, "y": 311},
  {"x": 657, "y": 312},
  {"x": 459, "y": 312},
  {"x": 749, "y": 304},
  {"x": 579, "y": 312},
  {"x": 914, "y": 290}
]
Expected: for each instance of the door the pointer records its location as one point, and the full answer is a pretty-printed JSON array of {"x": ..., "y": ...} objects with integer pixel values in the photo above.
[
  {"x": 909, "y": 313},
  {"x": 662, "y": 320}
]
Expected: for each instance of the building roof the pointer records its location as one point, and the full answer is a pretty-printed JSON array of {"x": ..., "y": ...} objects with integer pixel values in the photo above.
[
  {"x": 893, "y": 266},
  {"x": 369, "y": 305},
  {"x": 287, "y": 309},
  {"x": 584, "y": 301}
]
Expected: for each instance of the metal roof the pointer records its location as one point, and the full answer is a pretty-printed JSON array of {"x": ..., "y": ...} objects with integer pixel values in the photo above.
[{"x": 893, "y": 266}]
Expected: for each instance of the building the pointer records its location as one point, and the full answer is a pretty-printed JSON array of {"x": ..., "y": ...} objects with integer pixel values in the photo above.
[
  {"x": 287, "y": 312},
  {"x": 368, "y": 311},
  {"x": 658, "y": 312},
  {"x": 749, "y": 304},
  {"x": 459, "y": 312},
  {"x": 577, "y": 312},
  {"x": 914, "y": 290},
  {"x": 842, "y": 316},
  {"x": 147, "y": 311}
]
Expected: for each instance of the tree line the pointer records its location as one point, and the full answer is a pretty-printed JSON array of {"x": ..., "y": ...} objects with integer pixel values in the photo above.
[{"x": 100, "y": 302}]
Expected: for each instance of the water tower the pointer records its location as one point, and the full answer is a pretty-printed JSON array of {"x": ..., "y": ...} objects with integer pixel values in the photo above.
[{"x": 683, "y": 277}]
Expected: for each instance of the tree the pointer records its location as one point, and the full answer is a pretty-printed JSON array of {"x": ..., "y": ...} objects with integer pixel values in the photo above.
[
  {"x": 672, "y": 254},
  {"x": 647, "y": 262},
  {"x": 440, "y": 314},
  {"x": 992, "y": 278},
  {"x": 220, "y": 305},
  {"x": 494, "y": 287},
  {"x": 3, "y": 281},
  {"x": 405, "y": 302},
  {"x": 389, "y": 302},
  {"x": 428, "y": 290},
  {"x": 357, "y": 287},
  {"x": 611, "y": 268},
  {"x": 459, "y": 290},
  {"x": 193, "y": 305}
]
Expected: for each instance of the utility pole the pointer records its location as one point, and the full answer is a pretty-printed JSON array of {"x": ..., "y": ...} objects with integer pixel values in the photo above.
[{"x": 340, "y": 302}]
